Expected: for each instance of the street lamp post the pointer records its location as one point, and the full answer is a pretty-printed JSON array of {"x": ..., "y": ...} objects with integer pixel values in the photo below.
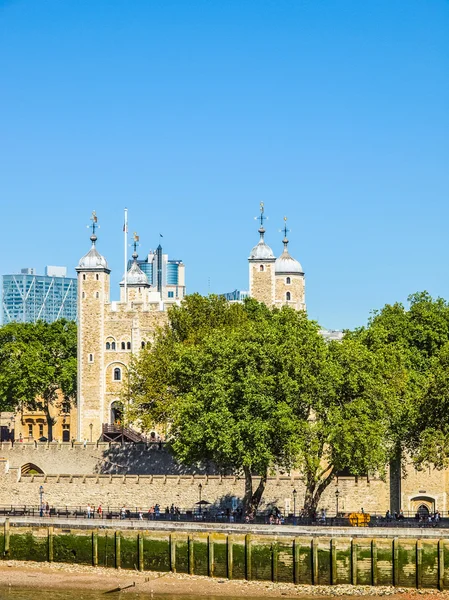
[
  {"x": 337, "y": 494},
  {"x": 12, "y": 428},
  {"x": 41, "y": 499},
  {"x": 200, "y": 489},
  {"x": 294, "y": 505}
]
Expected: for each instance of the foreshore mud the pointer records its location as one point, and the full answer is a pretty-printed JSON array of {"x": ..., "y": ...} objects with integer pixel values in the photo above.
[{"x": 59, "y": 576}]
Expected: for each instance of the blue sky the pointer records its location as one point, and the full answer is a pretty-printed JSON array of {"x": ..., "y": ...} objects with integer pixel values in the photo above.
[{"x": 332, "y": 112}]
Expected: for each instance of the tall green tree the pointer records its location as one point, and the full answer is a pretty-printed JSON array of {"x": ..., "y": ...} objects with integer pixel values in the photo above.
[
  {"x": 37, "y": 366},
  {"x": 420, "y": 334},
  {"x": 253, "y": 389}
]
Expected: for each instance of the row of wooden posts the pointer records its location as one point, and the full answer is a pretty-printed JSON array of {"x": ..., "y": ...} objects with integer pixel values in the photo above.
[{"x": 298, "y": 543}]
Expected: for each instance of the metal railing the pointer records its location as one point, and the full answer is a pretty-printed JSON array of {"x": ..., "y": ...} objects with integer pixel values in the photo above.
[{"x": 211, "y": 515}]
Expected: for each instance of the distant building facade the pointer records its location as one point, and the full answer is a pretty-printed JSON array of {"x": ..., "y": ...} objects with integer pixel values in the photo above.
[
  {"x": 166, "y": 276},
  {"x": 28, "y": 297}
]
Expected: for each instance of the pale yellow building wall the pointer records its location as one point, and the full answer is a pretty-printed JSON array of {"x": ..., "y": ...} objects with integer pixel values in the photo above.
[
  {"x": 93, "y": 294},
  {"x": 296, "y": 287},
  {"x": 261, "y": 283}
]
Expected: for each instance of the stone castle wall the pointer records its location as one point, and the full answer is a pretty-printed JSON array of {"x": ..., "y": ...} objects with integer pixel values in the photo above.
[{"x": 139, "y": 477}]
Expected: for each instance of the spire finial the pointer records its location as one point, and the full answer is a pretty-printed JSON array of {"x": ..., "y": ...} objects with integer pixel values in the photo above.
[
  {"x": 94, "y": 227},
  {"x": 285, "y": 230},
  {"x": 261, "y": 218},
  {"x": 135, "y": 244}
]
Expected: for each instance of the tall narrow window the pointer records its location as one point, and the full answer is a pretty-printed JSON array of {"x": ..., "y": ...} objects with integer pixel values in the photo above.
[
  {"x": 123, "y": 346},
  {"x": 91, "y": 358},
  {"x": 142, "y": 344},
  {"x": 288, "y": 296},
  {"x": 98, "y": 277},
  {"x": 113, "y": 346},
  {"x": 97, "y": 295},
  {"x": 261, "y": 268},
  {"x": 84, "y": 276},
  {"x": 108, "y": 346},
  {"x": 117, "y": 374},
  {"x": 128, "y": 345},
  {"x": 288, "y": 280}
]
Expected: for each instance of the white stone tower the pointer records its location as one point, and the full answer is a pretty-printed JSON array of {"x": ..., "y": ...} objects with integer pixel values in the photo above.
[
  {"x": 93, "y": 294},
  {"x": 289, "y": 279},
  {"x": 261, "y": 268}
]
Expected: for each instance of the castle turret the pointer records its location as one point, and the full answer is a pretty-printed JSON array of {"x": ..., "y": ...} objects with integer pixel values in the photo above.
[
  {"x": 137, "y": 284},
  {"x": 289, "y": 278},
  {"x": 93, "y": 294},
  {"x": 261, "y": 267}
]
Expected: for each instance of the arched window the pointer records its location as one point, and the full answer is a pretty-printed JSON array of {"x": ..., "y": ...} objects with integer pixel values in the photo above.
[
  {"x": 261, "y": 268},
  {"x": 288, "y": 280},
  {"x": 84, "y": 276},
  {"x": 117, "y": 374},
  {"x": 97, "y": 295},
  {"x": 142, "y": 344},
  {"x": 113, "y": 346},
  {"x": 128, "y": 345},
  {"x": 288, "y": 296},
  {"x": 91, "y": 358},
  {"x": 123, "y": 346},
  {"x": 108, "y": 346},
  {"x": 84, "y": 294},
  {"x": 98, "y": 277}
]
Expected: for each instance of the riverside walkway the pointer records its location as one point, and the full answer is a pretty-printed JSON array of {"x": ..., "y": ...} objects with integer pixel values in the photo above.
[{"x": 225, "y": 528}]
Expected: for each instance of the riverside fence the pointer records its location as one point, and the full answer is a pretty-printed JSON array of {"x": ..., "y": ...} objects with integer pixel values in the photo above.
[
  {"x": 305, "y": 559},
  {"x": 211, "y": 514}
]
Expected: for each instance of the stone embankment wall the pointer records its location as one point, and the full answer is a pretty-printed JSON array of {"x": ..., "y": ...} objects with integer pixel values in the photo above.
[
  {"x": 422, "y": 563},
  {"x": 139, "y": 477}
]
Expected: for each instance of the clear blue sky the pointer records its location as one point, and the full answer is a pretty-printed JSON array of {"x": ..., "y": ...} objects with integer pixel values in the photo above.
[{"x": 190, "y": 112}]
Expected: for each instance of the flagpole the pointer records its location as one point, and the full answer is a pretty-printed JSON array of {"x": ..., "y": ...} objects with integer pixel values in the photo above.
[{"x": 125, "y": 233}]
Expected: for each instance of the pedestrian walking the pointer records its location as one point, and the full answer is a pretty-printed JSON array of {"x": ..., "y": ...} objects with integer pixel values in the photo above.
[{"x": 89, "y": 511}]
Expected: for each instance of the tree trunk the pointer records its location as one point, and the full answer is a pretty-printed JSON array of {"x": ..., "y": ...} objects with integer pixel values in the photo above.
[
  {"x": 314, "y": 491},
  {"x": 252, "y": 500},
  {"x": 49, "y": 421}
]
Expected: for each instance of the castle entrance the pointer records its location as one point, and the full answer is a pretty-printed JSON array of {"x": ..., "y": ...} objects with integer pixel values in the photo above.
[
  {"x": 116, "y": 413},
  {"x": 424, "y": 505}
]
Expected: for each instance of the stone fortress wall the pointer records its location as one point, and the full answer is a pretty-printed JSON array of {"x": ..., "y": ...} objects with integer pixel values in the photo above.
[{"x": 137, "y": 476}]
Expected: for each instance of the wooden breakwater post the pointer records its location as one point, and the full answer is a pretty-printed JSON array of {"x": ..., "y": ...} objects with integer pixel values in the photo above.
[
  {"x": 6, "y": 537},
  {"x": 50, "y": 544},
  {"x": 172, "y": 545},
  {"x": 229, "y": 555},
  {"x": 314, "y": 561},
  {"x": 333, "y": 558},
  {"x": 95, "y": 547},
  {"x": 140, "y": 551},
  {"x": 117, "y": 550},
  {"x": 441, "y": 564},
  {"x": 248, "y": 557},
  {"x": 190, "y": 554}
]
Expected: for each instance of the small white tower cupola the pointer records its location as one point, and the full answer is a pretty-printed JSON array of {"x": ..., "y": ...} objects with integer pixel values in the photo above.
[
  {"x": 289, "y": 276},
  {"x": 93, "y": 260},
  {"x": 136, "y": 280},
  {"x": 261, "y": 267}
]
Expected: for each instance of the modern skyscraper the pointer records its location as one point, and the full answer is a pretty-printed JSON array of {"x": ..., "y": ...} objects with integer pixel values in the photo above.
[
  {"x": 27, "y": 297},
  {"x": 166, "y": 276}
]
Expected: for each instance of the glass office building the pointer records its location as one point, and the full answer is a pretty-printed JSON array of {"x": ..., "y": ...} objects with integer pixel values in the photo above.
[{"x": 27, "y": 297}]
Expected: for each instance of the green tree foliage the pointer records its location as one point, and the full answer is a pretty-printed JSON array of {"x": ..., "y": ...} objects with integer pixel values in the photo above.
[
  {"x": 420, "y": 335},
  {"x": 37, "y": 363},
  {"x": 253, "y": 389}
]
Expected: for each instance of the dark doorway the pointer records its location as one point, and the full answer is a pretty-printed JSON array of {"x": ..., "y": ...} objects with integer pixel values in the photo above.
[{"x": 116, "y": 413}]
